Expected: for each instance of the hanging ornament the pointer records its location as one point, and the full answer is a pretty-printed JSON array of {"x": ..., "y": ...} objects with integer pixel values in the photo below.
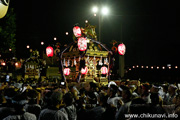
[
  {"x": 121, "y": 49},
  {"x": 64, "y": 62},
  {"x": 49, "y": 51},
  {"x": 67, "y": 71},
  {"x": 100, "y": 61},
  {"x": 77, "y": 31},
  {"x": 104, "y": 70},
  {"x": 82, "y": 44},
  {"x": 84, "y": 70},
  {"x": 106, "y": 61},
  {"x": 94, "y": 60},
  {"x": 75, "y": 60},
  {"x": 68, "y": 62}
]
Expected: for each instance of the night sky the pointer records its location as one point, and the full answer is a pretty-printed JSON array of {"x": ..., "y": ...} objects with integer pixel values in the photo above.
[{"x": 148, "y": 28}]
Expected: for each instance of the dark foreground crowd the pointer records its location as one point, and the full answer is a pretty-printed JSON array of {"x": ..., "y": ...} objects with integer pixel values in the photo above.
[{"x": 89, "y": 101}]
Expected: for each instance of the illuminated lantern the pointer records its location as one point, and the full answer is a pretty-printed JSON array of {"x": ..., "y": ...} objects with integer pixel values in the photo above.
[
  {"x": 77, "y": 31},
  {"x": 104, "y": 70},
  {"x": 82, "y": 44},
  {"x": 4, "y": 4},
  {"x": 84, "y": 71},
  {"x": 67, "y": 71},
  {"x": 121, "y": 49},
  {"x": 49, "y": 51}
]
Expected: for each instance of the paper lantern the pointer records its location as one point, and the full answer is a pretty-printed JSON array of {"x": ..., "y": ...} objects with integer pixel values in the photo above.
[
  {"x": 82, "y": 44},
  {"x": 4, "y": 4},
  {"x": 121, "y": 49},
  {"x": 84, "y": 70},
  {"x": 49, "y": 51},
  {"x": 104, "y": 70},
  {"x": 77, "y": 31},
  {"x": 67, "y": 71}
]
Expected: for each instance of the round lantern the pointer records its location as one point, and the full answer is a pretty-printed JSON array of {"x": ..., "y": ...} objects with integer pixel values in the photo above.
[
  {"x": 4, "y": 4},
  {"x": 104, "y": 70},
  {"x": 67, "y": 71},
  {"x": 82, "y": 44},
  {"x": 49, "y": 51},
  {"x": 77, "y": 31},
  {"x": 84, "y": 70},
  {"x": 121, "y": 49}
]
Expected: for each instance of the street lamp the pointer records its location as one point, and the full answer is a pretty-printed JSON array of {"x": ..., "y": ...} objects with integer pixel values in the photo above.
[{"x": 103, "y": 11}]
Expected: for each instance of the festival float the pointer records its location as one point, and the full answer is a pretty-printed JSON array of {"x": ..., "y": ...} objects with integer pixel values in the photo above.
[{"x": 86, "y": 59}]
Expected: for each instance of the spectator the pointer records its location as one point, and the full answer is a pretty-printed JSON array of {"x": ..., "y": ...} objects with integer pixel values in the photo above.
[
  {"x": 20, "y": 114},
  {"x": 53, "y": 112}
]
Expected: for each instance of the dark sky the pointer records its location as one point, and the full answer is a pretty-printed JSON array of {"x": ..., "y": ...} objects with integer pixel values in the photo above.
[{"x": 148, "y": 28}]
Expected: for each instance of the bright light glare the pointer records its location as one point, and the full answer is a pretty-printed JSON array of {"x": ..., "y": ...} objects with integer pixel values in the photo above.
[
  {"x": 95, "y": 9},
  {"x": 105, "y": 11}
]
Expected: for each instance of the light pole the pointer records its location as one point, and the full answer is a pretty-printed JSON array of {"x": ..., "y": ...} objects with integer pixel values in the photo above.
[{"x": 103, "y": 11}]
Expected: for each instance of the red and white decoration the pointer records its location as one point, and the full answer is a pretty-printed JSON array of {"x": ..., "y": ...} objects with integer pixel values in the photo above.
[
  {"x": 104, "y": 70},
  {"x": 121, "y": 49},
  {"x": 84, "y": 70},
  {"x": 49, "y": 51},
  {"x": 67, "y": 71},
  {"x": 82, "y": 44},
  {"x": 77, "y": 31}
]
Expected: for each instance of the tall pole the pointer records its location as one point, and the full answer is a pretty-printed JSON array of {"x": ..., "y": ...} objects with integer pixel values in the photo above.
[
  {"x": 99, "y": 27},
  {"x": 121, "y": 57}
]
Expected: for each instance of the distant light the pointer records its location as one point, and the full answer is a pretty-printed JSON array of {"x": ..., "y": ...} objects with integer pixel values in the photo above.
[
  {"x": 55, "y": 38},
  {"x": 129, "y": 69},
  {"x": 147, "y": 67},
  {"x": 67, "y": 33},
  {"x": 105, "y": 11},
  {"x": 95, "y": 14},
  {"x": 16, "y": 64},
  {"x": 169, "y": 67},
  {"x": 157, "y": 67},
  {"x": 28, "y": 46},
  {"x": 152, "y": 67},
  {"x": 95, "y": 9},
  {"x": 142, "y": 66},
  {"x": 10, "y": 49},
  {"x": 86, "y": 21},
  {"x": 0, "y": 55},
  {"x": 176, "y": 67},
  {"x": 163, "y": 67},
  {"x": 3, "y": 63},
  {"x": 133, "y": 66},
  {"x": 42, "y": 43},
  {"x": 137, "y": 66}
]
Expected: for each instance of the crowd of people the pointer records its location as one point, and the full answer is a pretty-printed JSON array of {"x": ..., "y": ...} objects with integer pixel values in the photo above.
[{"x": 89, "y": 101}]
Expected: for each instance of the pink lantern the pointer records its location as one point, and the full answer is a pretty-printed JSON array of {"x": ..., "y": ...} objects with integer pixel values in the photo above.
[
  {"x": 77, "y": 31},
  {"x": 104, "y": 70},
  {"x": 121, "y": 49},
  {"x": 84, "y": 70},
  {"x": 49, "y": 51},
  {"x": 67, "y": 71},
  {"x": 82, "y": 44}
]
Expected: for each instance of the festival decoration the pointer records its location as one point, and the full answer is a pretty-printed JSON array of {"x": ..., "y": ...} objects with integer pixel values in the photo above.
[
  {"x": 121, "y": 49},
  {"x": 77, "y": 31},
  {"x": 67, "y": 71},
  {"x": 4, "y": 4},
  {"x": 82, "y": 44},
  {"x": 104, "y": 70},
  {"x": 84, "y": 70},
  {"x": 49, "y": 51}
]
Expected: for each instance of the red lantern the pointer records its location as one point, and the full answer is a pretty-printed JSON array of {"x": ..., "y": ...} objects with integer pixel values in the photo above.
[
  {"x": 82, "y": 44},
  {"x": 67, "y": 71},
  {"x": 104, "y": 70},
  {"x": 49, "y": 51},
  {"x": 77, "y": 31},
  {"x": 84, "y": 70},
  {"x": 121, "y": 49}
]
